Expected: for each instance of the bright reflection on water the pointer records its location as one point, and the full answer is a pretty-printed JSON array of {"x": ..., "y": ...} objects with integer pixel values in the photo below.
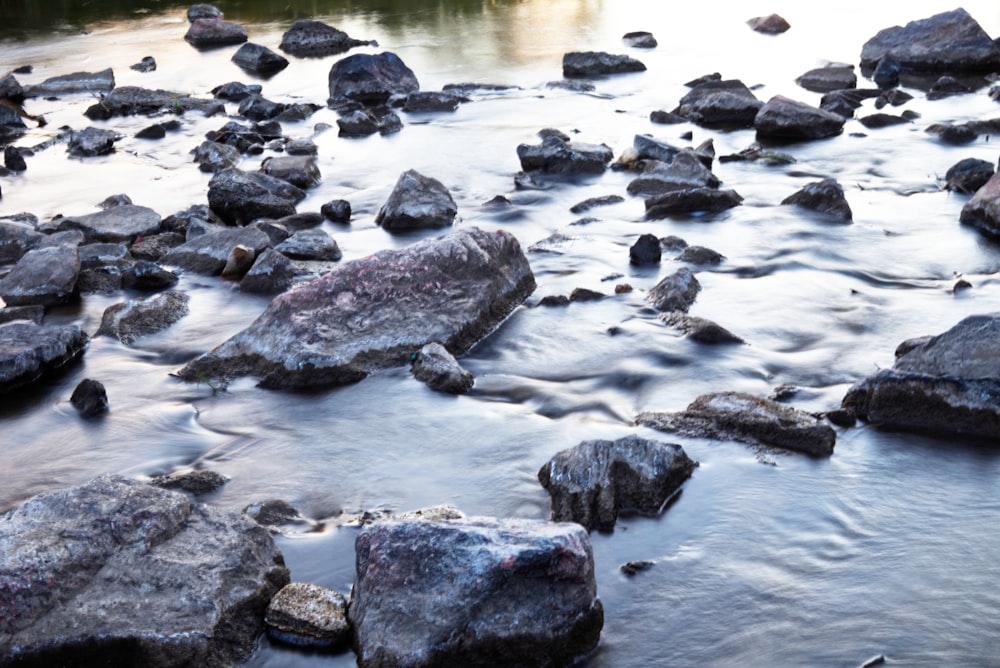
[{"x": 886, "y": 548}]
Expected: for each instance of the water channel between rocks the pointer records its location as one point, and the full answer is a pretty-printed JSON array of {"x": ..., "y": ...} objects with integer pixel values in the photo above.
[{"x": 888, "y": 547}]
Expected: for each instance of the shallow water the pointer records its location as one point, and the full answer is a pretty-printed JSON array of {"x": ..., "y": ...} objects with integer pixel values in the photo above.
[{"x": 885, "y": 548}]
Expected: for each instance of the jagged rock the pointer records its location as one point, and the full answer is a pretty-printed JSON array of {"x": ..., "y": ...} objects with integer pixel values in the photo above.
[
  {"x": 747, "y": 418},
  {"x": 983, "y": 210},
  {"x": 92, "y": 142},
  {"x": 136, "y": 101},
  {"x": 782, "y": 118},
  {"x": 308, "y": 615},
  {"x": 131, "y": 320},
  {"x": 240, "y": 197},
  {"x": 772, "y": 24},
  {"x": 16, "y": 239},
  {"x": 556, "y": 155},
  {"x": 691, "y": 200},
  {"x": 29, "y": 350},
  {"x": 119, "y": 224},
  {"x": 454, "y": 289},
  {"x": 371, "y": 78},
  {"x": 650, "y": 148},
  {"x": 214, "y": 157},
  {"x": 90, "y": 398},
  {"x": 432, "y": 101},
  {"x": 247, "y": 139},
  {"x": 259, "y": 59},
  {"x": 155, "y": 246},
  {"x": 592, "y": 482},
  {"x": 208, "y": 253},
  {"x": 302, "y": 171},
  {"x": 640, "y": 40},
  {"x": 315, "y": 38},
  {"x": 597, "y": 63},
  {"x": 271, "y": 273},
  {"x": 88, "y": 83},
  {"x": 197, "y": 483},
  {"x": 417, "y": 202},
  {"x": 121, "y": 572},
  {"x": 236, "y": 91},
  {"x": 717, "y": 102},
  {"x": 488, "y": 593},
  {"x": 828, "y": 79},
  {"x": 440, "y": 371},
  {"x": 675, "y": 292},
  {"x": 214, "y": 32},
  {"x": 968, "y": 175},
  {"x": 686, "y": 171},
  {"x": 310, "y": 245},
  {"x": 826, "y": 196},
  {"x": 43, "y": 276}
]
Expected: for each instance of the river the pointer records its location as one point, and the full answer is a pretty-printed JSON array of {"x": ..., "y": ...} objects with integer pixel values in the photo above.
[{"x": 886, "y": 548}]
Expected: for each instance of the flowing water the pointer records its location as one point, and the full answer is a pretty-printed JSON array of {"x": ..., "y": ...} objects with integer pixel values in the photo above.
[{"x": 886, "y": 548}]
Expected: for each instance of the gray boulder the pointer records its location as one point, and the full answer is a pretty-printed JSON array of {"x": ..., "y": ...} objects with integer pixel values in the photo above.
[
  {"x": 239, "y": 197},
  {"x": 650, "y": 148},
  {"x": 16, "y": 239},
  {"x": 44, "y": 276},
  {"x": 700, "y": 330},
  {"x": 203, "y": 11},
  {"x": 556, "y": 155},
  {"x": 271, "y": 273},
  {"x": 310, "y": 245},
  {"x": 91, "y": 142},
  {"x": 439, "y": 369},
  {"x": 640, "y": 39},
  {"x": 691, "y": 200},
  {"x": 983, "y": 210},
  {"x": 214, "y": 157},
  {"x": 429, "y": 101},
  {"x": 772, "y": 24},
  {"x": 592, "y": 482},
  {"x": 88, "y": 83},
  {"x": 828, "y": 79},
  {"x": 373, "y": 313},
  {"x": 597, "y": 63},
  {"x": 949, "y": 383},
  {"x": 966, "y": 176},
  {"x": 214, "y": 32},
  {"x": 826, "y": 196},
  {"x": 131, "y": 320},
  {"x": 136, "y": 101},
  {"x": 315, "y": 38},
  {"x": 371, "y": 78},
  {"x": 675, "y": 292},
  {"x": 115, "y": 571},
  {"x": 749, "y": 419},
  {"x": 89, "y": 398},
  {"x": 208, "y": 253},
  {"x": 719, "y": 102},
  {"x": 29, "y": 350},
  {"x": 308, "y": 615},
  {"x": 486, "y": 592},
  {"x": 299, "y": 170},
  {"x": 258, "y": 59},
  {"x": 119, "y": 224},
  {"x": 782, "y": 118},
  {"x": 417, "y": 202},
  {"x": 686, "y": 170}
]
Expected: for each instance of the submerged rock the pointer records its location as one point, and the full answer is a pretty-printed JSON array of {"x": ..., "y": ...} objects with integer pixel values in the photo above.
[
  {"x": 373, "y": 313},
  {"x": 90, "y": 398},
  {"x": 596, "y": 63},
  {"x": 782, "y": 118},
  {"x": 214, "y": 32},
  {"x": 240, "y": 197},
  {"x": 417, "y": 202},
  {"x": 826, "y": 196},
  {"x": 828, "y": 79},
  {"x": 29, "y": 350},
  {"x": 439, "y": 369},
  {"x": 675, "y": 292},
  {"x": 556, "y": 155},
  {"x": 315, "y": 38},
  {"x": 772, "y": 24},
  {"x": 691, "y": 201},
  {"x": 487, "y": 592},
  {"x": 983, "y": 210},
  {"x": 592, "y": 482},
  {"x": 968, "y": 175},
  {"x": 719, "y": 102},
  {"x": 131, "y": 320},
  {"x": 259, "y": 59}
]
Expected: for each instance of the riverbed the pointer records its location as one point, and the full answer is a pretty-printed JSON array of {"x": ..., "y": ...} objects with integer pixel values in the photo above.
[{"x": 886, "y": 548}]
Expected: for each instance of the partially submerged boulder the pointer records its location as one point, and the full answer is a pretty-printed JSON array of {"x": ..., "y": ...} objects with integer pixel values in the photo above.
[
  {"x": 968, "y": 175},
  {"x": 206, "y": 33},
  {"x": 123, "y": 223},
  {"x": 829, "y": 78},
  {"x": 373, "y": 313},
  {"x": 720, "y": 102},
  {"x": 88, "y": 83},
  {"x": 983, "y": 210},
  {"x": 772, "y": 24},
  {"x": 597, "y": 63},
  {"x": 826, "y": 196},
  {"x": 44, "y": 276},
  {"x": 259, "y": 59},
  {"x": 486, "y": 592},
  {"x": 691, "y": 201},
  {"x": 208, "y": 253},
  {"x": 371, "y": 78},
  {"x": 308, "y": 615},
  {"x": 92, "y": 142},
  {"x": 782, "y": 118},
  {"x": 595, "y": 480},
  {"x": 131, "y": 320},
  {"x": 675, "y": 292},
  {"x": 417, "y": 202},
  {"x": 29, "y": 350},
  {"x": 556, "y": 155},
  {"x": 440, "y": 371},
  {"x": 118, "y": 571},
  {"x": 240, "y": 197},
  {"x": 315, "y": 38}
]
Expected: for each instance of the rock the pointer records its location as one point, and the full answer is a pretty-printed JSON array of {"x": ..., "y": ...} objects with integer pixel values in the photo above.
[
  {"x": 720, "y": 103},
  {"x": 196, "y": 483},
  {"x": 749, "y": 419},
  {"x": 315, "y": 38},
  {"x": 359, "y": 123},
  {"x": 301, "y": 171},
  {"x": 640, "y": 40},
  {"x": 259, "y": 108},
  {"x": 136, "y": 101},
  {"x": 156, "y": 131},
  {"x": 663, "y": 117},
  {"x": 558, "y": 156},
  {"x": 11, "y": 125},
  {"x": 646, "y": 250},
  {"x": 650, "y": 148},
  {"x": 285, "y": 226},
  {"x": 875, "y": 121},
  {"x": 310, "y": 245},
  {"x": 700, "y": 329},
  {"x": 274, "y": 514},
  {"x": 337, "y": 211},
  {"x": 968, "y": 175},
  {"x": 236, "y": 91},
  {"x": 147, "y": 64},
  {"x": 88, "y": 83},
  {"x": 209, "y": 253},
  {"x": 454, "y": 289},
  {"x": 685, "y": 171},
  {"x": 131, "y": 320},
  {"x": 239, "y": 197},
  {"x": 772, "y": 24},
  {"x": 16, "y": 239},
  {"x": 487, "y": 592},
  {"x": 949, "y": 383},
  {"x": 592, "y": 482},
  {"x": 675, "y": 292},
  {"x": 955, "y": 135},
  {"x": 101, "y": 266},
  {"x": 155, "y": 246},
  {"x": 947, "y": 86},
  {"x": 92, "y": 142},
  {"x": 592, "y": 202},
  {"x": 951, "y": 41},
  {"x": 598, "y": 63},
  {"x": 90, "y": 398},
  {"x": 634, "y": 567},
  {"x": 828, "y": 79},
  {"x": 894, "y": 96},
  {"x": 11, "y": 89},
  {"x": 691, "y": 200},
  {"x": 214, "y": 157},
  {"x": 214, "y": 32},
  {"x": 119, "y": 224},
  {"x": 432, "y": 101},
  {"x": 700, "y": 255},
  {"x": 371, "y": 78},
  {"x": 203, "y": 11},
  {"x": 43, "y": 276},
  {"x": 28, "y": 351},
  {"x": 782, "y": 118},
  {"x": 161, "y": 581},
  {"x": 271, "y": 273},
  {"x": 440, "y": 371},
  {"x": 826, "y": 196},
  {"x": 983, "y": 210},
  {"x": 417, "y": 202},
  {"x": 308, "y": 615},
  {"x": 33, "y": 314},
  {"x": 259, "y": 59},
  {"x": 13, "y": 159},
  {"x": 246, "y": 139},
  {"x": 844, "y": 102}
]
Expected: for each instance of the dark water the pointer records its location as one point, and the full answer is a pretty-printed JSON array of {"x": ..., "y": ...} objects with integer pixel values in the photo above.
[{"x": 888, "y": 547}]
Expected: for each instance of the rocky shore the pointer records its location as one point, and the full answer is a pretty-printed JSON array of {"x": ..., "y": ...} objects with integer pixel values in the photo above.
[{"x": 147, "y": 573}]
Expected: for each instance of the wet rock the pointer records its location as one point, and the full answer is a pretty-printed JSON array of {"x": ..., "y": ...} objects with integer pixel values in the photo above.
[
  {"x": 360, "y": 123},
  {"x": 276, "y": 514},
  {"x": 136, "y": 101},
  {"x": 90, "y": 399},
  {"x": 259, "y": 108},
  {"x": 585, "y": 295},
  {"x": 214, "y": 157},
  {"x": 119, "y": 224},
  {"x": 947, "y": 384},
  {"x": 13, "y": 159},
  {"x": 147, "y": 276},
  {"x": 663, "y": 117},
  {"x": 893, "y": 96},
  {"x": 197, "y": 483},
  {"x": 155, "y": 246},
  {"x": 646, "y": 250},
  {"x": 315, "y": 38},
  {"x": 308, "y": 615},
  {"x": 956, "y": 135},
  {"x": 101, "y": 266},
  {"x": 147, "y": 64},
  {"x": 89, "y": 83},
  {"x": 826, "y": 196},
  {"x": 11, "y": 125},
  {"x": 259, "y": 59},
  {"x": 156, "y": 131},
  {"x": 33, "y": 314},
  {"x": 454, "y": 289},
  {"x": 691, "y": 200},
  {"x": 685, "y": 171},
  {"x": 650, "y": 148},
  {"x": 700, "y": 255},
  {"x": 983, "y": 210},
  {"x": 598, "y": 63},
  {"x": 371, "y": 78},
  {"x": 203, "y": 11},
  {"x": 828, "y": 79},
  {"x": 749, "y": 419},
  {"x": 488, "y": 592},
  {"x": 214, "y": 32},
  {"x": 302, "y": 171},
  {"x": 772, "y": 24},
  {"x": 11, "y": 89},
  {"x": 239, "y": 261},
  {"x": 675, "y": 292},
  {"x": 131, "y": 320},
  {"x": 43, "y": 276},
  {"x": 718, "y": 102},
  {"x": 782, "y": 118},
  {"x": 594, "y": 481},
  {"x": 700, "y": 329},
  {"x": 208, "y": 253},
  {"x": 556, "y": 155},
  {"x": 845, "y": 102},
  {"x": 16, "y": 239},
  {"x": 875, "y": 121},
  {"x": 310, "y": 245},
  {"x": 246, "y": 138},
  {"x": 432, "y": 101},
  {"x": 951, "y": 41},
  {"x": 163, "y": 581},
  {"x": 968, "y": 175},
  {"x": 947, "y": 86},
  {"x": 29, "y": 350},
  {"x": 236, "y": 91},
  {"x": 592, "y": 202},
  {"x": 417, "y": 202},
  {"x": 640, "y": 40},
  {"x": 337, "y": 211},
  {"x": 92, "y": 142},
  {"x": 635, "y": 567},
  {"x": 287, "y": 225},
  {"x": 239, "y": 197},
  {"x": 271, "y": 273},
  {"x": 440, "y": 371}
]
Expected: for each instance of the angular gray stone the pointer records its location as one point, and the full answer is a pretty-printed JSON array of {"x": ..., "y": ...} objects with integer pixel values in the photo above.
[
  {"x": 591, "y": 483},
  {"x": 430, "y": 101},
  {"x": 133, "y": 100},
  {"x": 115, "y": 571},
  {"x": 310, "y": 245},
  {"x": 240, "y": 197},
  {"x": 301, "y": 171},
  {"x": 373, "y": 313},
  {"x": 214, "y": 157},
  {"x": 214, "y": 32},
  {"x": 782, "y": 118},
  {"x": 829, "y": 78},
  {"x": 28, "y": 350},
  {"x": 722, "y": 102},
  {"x": 259, "y": 59},
  {"x": 675, "y": 292},
  {"x": 118, "y": 224},
  {"x": 826, "y": 196},
  {"x": 308, "y": 615},
  {"x": 486, "y": 592},
  {"x": 371, "y": 78},
  {"x": 131, "y": 320},
  {"x": 983, "y": 210},
  {"x": 92, "y": 142},
  {"x": 439, "y": 369},
  {"x": 691, "y": 200},
  {"x": 271, "y": 273},
  {"x": 417, "y": 202},
  {"x": 208, "y": 253},
  {"x": 685, "y": 171},
  {"x": 44, "y": 276},
  {"x": 315, "y": 38},
  {"x": 16, "y": 239},
  {"x": 556, "y": 155},
  {"x": 597, "y": 63},
  {"x": 91, "y": 83}
]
